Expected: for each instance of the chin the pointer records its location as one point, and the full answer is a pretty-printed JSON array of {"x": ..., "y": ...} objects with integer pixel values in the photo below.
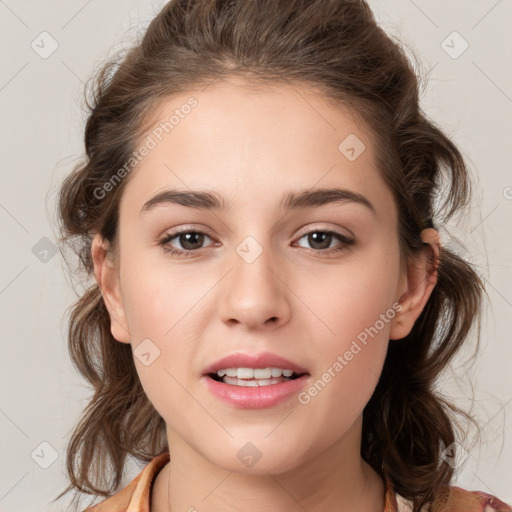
[{"x": 258, "y": 457}]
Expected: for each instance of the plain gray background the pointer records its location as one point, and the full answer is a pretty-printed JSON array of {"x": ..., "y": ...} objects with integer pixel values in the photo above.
[{"x": 468, "y": 93}]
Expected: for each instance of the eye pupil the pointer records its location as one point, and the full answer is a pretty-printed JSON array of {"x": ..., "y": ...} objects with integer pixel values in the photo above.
[
  {"x": 319, "y": 237},
  {"x": 188, "y": 238}
]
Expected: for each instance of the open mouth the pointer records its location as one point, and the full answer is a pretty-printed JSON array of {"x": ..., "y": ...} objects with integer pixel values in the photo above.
[
  {"x": 253, "y": 377},
  {"x": 257, "y": 387}
]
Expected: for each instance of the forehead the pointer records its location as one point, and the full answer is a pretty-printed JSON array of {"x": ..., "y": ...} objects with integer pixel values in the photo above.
[{"x": 236, "y": 137}]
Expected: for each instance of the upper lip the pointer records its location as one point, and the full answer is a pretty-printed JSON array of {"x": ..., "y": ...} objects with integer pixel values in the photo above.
[{"x": 262, "y": 360}]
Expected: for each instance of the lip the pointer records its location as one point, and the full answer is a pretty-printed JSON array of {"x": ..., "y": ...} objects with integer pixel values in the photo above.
[
  {"x": 257, "y": 397},
  {"x": 262, "y": 360}
]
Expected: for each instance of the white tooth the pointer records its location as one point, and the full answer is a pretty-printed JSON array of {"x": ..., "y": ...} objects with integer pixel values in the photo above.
[
  {"x": 261, "y": 382},
  {"x": 245, "y": 382},
  {"x": 221, "y": 373},
  {"x": 262, "y": 373},
  {"x": 245, "y": 373},
  {"x": 287, "y": 373},
  {"x": 266, "y": 382},
  {"x": 231, "y": 372},
  {"x": 277, "y": 372}
]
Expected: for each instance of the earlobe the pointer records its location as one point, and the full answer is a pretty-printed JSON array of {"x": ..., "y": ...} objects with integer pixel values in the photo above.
[
  {"x": 107, "y": 279},
  {"x": 421, "y": 280}
]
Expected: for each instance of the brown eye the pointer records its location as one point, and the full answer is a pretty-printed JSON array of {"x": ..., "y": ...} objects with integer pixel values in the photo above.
[
  {"x": 321, "y": 240},
  {"x": 189, "y": 242}
]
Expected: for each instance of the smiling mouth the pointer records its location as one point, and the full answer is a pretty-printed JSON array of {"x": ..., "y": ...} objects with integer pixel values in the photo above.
[
  {"x": 253, "y": 377},
  {"x": 255, "y": 388}
]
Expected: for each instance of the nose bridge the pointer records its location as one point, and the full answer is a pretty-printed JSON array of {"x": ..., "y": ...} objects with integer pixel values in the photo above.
[{"x": 255, "y": 291}]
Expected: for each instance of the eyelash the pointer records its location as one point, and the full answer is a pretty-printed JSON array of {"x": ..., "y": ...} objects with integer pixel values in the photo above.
[{"x": 345, "y": 242}]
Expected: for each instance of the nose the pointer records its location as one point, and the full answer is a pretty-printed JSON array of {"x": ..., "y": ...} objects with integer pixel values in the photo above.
[{"x": 255, "y": 293}]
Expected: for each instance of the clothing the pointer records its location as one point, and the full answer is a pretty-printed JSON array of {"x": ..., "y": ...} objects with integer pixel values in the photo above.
[{"x": 135, "y": 496}]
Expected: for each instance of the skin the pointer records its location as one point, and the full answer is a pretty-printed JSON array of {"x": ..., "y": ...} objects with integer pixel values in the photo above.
[{"x": 252, "y": 146}]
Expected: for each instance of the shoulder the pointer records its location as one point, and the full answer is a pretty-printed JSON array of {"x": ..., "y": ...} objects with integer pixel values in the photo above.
[
  {"x": 455, "y": 499},
  {"x": 135, "y": 497}
]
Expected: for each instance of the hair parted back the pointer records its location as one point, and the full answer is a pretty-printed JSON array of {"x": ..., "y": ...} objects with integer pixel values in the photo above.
[{"x": 336, "y": 47}]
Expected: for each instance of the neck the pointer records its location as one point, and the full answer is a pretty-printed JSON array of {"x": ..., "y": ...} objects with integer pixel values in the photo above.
[{"x": 336, "y": 479}]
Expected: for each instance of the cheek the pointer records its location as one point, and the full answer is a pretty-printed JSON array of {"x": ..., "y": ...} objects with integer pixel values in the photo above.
[
  {"x": 159, "y": 297},
  {"x": 165, "y": 309},
  {"x": 356, "y": 310},
  {"x": 347, "y": 367},
  {"x": 352, "y": 296}
]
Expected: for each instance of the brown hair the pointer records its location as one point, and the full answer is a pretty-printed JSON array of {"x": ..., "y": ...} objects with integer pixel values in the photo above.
[{"x": 337, "y": 47}]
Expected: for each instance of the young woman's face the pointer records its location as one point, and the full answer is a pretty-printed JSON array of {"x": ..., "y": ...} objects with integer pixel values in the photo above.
[{"x": 316, "y": 283}]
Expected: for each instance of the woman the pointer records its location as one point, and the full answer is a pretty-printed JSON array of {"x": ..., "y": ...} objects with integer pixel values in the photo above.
[{"x": 272, "y": 304}]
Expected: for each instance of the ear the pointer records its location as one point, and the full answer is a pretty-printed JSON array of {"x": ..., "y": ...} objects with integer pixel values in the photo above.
[
  {"x": 107, "y": 277},
  {"x": 420, "y": 281}
]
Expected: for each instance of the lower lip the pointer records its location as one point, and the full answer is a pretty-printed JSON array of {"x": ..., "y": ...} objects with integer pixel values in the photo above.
[{"x": 257, "y": 397}]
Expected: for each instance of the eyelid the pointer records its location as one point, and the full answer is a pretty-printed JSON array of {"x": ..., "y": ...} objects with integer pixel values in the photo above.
[
  {"x": 186, "y": 229},
  {"x": 337, "y": 230},
  {"x": 306, "y": 230}
]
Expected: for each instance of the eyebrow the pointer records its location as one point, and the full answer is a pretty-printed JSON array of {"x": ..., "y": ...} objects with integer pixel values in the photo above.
[{"x": 292, "y": 200}]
